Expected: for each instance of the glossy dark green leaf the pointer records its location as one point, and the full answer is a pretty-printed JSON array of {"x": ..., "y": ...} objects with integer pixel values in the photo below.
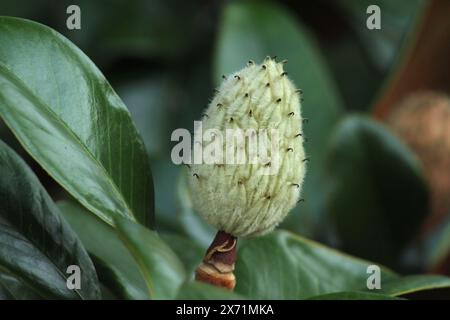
[
  {"x": 36, "y": 244},
  {"x": 416, "y": 284},
  {"x": 66, "y": 115},
  {"x": 195, "y": 290},
  {"x": 187, "y": 250},
  {"x": 356, "y": 295},
  {"x": 115, "y": 265},
  {"x": 12, "y": 288},
  {"x": 378, "y": 197},
  {"x": 254, "y": 30},
  {"x": 282, "y": 265},
  {"x": 162, "y": 270}
]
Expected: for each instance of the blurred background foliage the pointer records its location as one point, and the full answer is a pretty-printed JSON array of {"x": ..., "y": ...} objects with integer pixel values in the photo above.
[{"x": 365, "y": 191}]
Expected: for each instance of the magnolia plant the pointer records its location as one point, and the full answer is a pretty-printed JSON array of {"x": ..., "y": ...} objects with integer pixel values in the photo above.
[{"x": 81, "y": 222}]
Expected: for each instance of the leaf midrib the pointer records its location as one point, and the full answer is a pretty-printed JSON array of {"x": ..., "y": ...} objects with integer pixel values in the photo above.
[{"x": 4, "y": 69}]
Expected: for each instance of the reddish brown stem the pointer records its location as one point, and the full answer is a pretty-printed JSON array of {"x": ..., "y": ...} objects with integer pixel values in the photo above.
[{"x": 218, "y": 264}]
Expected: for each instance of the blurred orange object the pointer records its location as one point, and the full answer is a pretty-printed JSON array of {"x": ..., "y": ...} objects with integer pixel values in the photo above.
[{"x": 426, "y": 63}]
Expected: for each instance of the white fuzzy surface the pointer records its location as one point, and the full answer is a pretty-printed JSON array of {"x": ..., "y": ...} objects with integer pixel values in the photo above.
[{"x": 236, "y": 198}]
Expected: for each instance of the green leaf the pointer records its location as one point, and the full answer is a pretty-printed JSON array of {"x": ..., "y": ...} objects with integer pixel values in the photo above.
[
  {"x": 356, "y": 295},
  {"x": 254, "y": 30},
  {"x": 115, "y": 266},
  {"x": 36, "y": 244},
  {"x": 195, "y": 290},
  {"x": 377, "y": 195},
  {"x": 12, "y": 288},
  {"x": 187, "y": 250},
  {"x": 282, "y": 265},
  {"x": 416, "y": 284},
  {"x": 162, "y": 270},
  {"x": 66, "y": 115}
]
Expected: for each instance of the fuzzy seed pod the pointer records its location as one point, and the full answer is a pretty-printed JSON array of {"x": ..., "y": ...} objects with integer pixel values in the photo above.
[
  {"x": 252, "y": 198},
  {"x": 422, "y": 120}
]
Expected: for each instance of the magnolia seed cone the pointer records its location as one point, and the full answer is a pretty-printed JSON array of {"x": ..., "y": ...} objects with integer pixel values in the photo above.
[
  {"x": 242, "y": 199},
  {"x": 249, "y": 197}
]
